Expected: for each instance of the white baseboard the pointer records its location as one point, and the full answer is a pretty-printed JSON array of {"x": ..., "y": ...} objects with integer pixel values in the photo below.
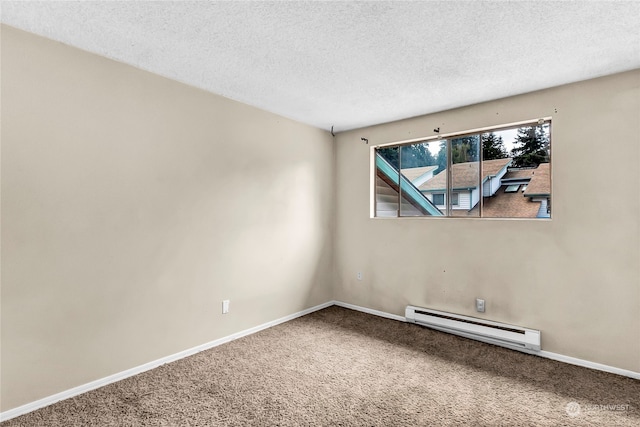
[
  {"x": 546, "y": 354},
  {"x": 587, "y": 364},
  {"x": 41, "y": 403},
  {"x": 370, "y": 311}
]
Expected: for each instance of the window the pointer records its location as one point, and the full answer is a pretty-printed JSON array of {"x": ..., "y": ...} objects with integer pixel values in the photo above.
[
  {"x": 512, "y": 188},
  {"x": 504, "y": 172}
]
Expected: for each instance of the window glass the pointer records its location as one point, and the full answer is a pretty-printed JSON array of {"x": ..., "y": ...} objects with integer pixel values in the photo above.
[
  {"x": 387, "y": 161},
  {"x": 512, "y": 188},
  {"x": 465, "y": 175},
  {"x": 400, "y": 172},
  {"x": 418, "y": 165},
  {"x": 505, "y": 173},
  {"x": 433, "y": 184},
  {"x": 523, "y": 189}
]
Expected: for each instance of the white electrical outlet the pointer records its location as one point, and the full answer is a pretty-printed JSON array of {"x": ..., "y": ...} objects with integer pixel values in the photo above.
[
  {"x": 479, "y": 305},
  {"x": 359, "y": 275},
  {"x": 225, "y": 306}
]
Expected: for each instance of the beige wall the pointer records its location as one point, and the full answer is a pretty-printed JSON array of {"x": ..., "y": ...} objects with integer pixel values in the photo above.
[
  {"x": 133, "y": 205},
  {"x": 576, "y": 277}
]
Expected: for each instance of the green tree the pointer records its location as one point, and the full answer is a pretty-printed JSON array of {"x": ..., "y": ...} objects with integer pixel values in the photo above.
[
  {"x": 493, "y": 147},
  {"x": 533, "y": 146},
  {"x": 465, "y": 149},
  {"x": 413, "y": 156},
  {"x": 390, "y": 154},
  {"x": 416, "y": 155},
  {"x": 441, "y": 158}
]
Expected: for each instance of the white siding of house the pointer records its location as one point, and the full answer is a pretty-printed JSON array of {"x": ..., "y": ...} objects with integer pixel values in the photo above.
[
  {"x": 387, "y": 202},
  {"x": 486, "y": 188},
  {"x": 464, "y": 200},
  {"x": 496, "y": 182},
  {"x": 475, "y": 197},
  {"x": 491, "y": 185},
  {"x": 407, "y": 209},
  {"x": 422, "y": 179},
  {"x": 542, "y": 212}
]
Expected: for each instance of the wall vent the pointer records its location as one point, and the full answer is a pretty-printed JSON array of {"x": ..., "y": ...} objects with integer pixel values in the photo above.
[{"x": 511, "y": 336}]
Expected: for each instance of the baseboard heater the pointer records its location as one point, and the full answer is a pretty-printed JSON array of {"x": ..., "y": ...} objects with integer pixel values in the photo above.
[{"x": 501, "y": 334}]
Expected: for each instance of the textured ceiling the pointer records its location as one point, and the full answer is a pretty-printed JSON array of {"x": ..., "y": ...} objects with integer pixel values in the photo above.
[{"x": 351, "y": 64}]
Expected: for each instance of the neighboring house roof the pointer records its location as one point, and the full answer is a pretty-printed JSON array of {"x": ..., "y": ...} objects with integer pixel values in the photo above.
[
  {"x": 517, "y": 204},
  {"x": 540, "y": 184},
  {"x": 518, "y": 174},
  {"x": 492, "y": 167},
  {"x": 413, "y": 173},
  {"x": 465, "y": 175},
  {"x": 509, "y": 205},
  {"x": 503, "y": 205}
]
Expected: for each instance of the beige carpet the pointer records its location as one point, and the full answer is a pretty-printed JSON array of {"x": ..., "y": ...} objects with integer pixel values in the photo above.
[{"x": 338, "y": 367}]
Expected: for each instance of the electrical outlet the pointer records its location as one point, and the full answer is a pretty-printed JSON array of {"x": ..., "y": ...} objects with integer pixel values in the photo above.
[
  {"x": 225, "y": 306},
  {"x": 479, "y": 305},
  {"x": 359, "y": 275}
]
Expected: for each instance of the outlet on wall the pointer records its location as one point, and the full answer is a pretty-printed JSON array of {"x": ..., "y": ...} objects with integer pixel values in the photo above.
[
  {"x": 225, "y": 306},
  {"x": 479, "y": 305},
  {"x": 359, "y": 275}
]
